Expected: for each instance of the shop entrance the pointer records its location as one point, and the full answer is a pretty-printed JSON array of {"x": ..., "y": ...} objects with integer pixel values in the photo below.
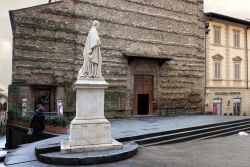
[
  {"x": 237, "y": 107},
  {"x": 217, "y": 107},
  {"x": 143, "y": 95}
]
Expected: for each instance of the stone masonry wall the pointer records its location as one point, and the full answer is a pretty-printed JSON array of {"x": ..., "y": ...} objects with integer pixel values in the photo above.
[{"x": 48, "y": 41}]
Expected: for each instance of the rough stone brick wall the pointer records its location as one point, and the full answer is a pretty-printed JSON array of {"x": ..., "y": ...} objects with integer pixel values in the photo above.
[
  {"x": 48, "y": 41},
  {"x": 44, "y": 45}
]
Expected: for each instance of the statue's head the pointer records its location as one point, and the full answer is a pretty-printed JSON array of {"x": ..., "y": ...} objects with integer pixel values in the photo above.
[{"x": 96, "y": 24}]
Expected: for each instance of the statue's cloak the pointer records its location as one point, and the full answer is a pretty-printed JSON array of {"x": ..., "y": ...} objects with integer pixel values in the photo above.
[{"x": 92, "y": 54}]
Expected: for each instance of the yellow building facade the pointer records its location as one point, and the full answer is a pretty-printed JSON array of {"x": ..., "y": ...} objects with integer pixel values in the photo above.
[{"x": 227, "y": 65}]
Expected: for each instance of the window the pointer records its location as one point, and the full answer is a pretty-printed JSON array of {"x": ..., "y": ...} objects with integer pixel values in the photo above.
[
  {"x": 236, "y": 34},
  {"x": 236, "y": 71},
  {"x": 217, "y": 35},
  {"x": 217, "y": 70},
  {"x": 237, "y": 62}
]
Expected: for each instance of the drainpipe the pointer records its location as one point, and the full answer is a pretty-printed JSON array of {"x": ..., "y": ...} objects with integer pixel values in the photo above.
[
  {"x": 246, "y": 34},
  {"x": 205, "y": 59},
  {"x": 206, "y": 32},
  {"x": 206, "y": 22}
]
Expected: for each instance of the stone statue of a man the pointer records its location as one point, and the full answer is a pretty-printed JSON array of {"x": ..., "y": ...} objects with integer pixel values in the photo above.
[{"x": 92, "y": 55}]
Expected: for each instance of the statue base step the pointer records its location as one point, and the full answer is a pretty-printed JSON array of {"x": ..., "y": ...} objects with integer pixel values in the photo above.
[
  {"x": 48, "y": 154},
  {"x": 67, "y": 148}
]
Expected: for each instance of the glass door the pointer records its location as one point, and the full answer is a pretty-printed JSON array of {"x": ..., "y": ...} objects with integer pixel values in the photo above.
[
  {"x": 237, "y": 107},
  {"x": 217, "y": 107}
]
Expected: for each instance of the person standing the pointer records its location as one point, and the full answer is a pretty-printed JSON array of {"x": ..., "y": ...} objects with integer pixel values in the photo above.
[{"x": 37, "y": 108}]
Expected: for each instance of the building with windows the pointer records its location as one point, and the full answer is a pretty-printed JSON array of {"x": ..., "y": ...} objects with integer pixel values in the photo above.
[
  {"x": 227, "y": 65},
  {"x": 3, "y": 102},
  {"x": 3, "y": 110}
]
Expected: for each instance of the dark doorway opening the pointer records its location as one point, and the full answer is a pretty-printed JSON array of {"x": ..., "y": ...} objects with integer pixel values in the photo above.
[
  {"x": 42, "y": 96},
  {"x": 143, "y": 94},
  {"x": 143, "y": 103}
]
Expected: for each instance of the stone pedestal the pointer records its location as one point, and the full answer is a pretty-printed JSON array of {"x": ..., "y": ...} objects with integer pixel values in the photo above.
[{"x": 90, "y": 130}]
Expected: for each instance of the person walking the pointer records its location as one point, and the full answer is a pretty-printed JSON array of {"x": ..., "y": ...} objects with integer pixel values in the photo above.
[{"x": 37, "y": 124}]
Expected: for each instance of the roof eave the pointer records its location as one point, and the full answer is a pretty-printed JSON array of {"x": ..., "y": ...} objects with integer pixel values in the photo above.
[
  {"x": 11, "y": 20},
  {"x": 227, "y": 18}
]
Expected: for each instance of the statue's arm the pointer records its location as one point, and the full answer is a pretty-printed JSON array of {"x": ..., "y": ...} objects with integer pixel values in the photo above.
[{"x": 97, "y": 44}]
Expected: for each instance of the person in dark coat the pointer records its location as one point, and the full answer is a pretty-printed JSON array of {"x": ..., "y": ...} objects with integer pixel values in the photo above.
[
  {"x": 37, "y": 107},
  {"x": 37, "y": 123}
]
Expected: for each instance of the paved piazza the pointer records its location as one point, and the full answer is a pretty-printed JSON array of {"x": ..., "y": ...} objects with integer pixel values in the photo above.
[
  {"x": 206, "y": 153},
  {"x": 232, "y": 151}
]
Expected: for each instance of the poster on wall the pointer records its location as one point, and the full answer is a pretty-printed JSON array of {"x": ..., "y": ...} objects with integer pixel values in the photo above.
[
  {"x": 214, "y": 109},
  {"x": 59, "y": 107},
  {"x": 24, "y": 106}
]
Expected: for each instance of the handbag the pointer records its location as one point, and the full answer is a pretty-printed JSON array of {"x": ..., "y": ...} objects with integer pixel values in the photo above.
[{"x": 30, "y": 131}]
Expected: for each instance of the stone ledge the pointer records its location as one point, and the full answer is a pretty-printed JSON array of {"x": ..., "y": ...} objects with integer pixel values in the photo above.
[
  {"x": 86, "y": 158},
  {"x": 90, "y": 83},
  {"x": 66, "y": 148}
]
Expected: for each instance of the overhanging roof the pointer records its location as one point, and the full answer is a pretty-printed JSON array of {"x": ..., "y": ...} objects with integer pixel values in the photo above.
[
  {"x": 227, "y": 18},
  {"x": 160, "y": 58},
  {"x": 11, "y": 12}
]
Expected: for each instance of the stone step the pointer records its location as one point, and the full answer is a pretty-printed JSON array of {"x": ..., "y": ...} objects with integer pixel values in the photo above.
[
  {"x": 226, "y": 133},
  {"x": 204, "y": 135},
  {"x": 89, "y": 158},
  {"x": 138, "y": 137},
  {"x": 163, "y": 137}
]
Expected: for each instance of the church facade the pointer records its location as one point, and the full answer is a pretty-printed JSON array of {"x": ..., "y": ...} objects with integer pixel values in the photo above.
[{"x": 153, "y": 54}]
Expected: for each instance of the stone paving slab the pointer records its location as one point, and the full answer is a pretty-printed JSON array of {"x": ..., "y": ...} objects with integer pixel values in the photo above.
[{"x": 25, "y": 155}]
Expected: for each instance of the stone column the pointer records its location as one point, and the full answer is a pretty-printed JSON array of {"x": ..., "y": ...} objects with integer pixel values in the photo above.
[{"x": 90, "y": 130}]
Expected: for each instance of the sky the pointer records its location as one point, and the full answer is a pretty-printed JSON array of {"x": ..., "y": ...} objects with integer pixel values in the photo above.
[
  {"x": 235, "y": 8},
  {"x": 6, "y": 36}
]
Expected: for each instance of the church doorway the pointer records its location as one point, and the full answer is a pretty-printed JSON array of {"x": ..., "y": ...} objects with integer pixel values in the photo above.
[
  {"x": 143, "y": 94},
  {"x": 143, "y": 104}
]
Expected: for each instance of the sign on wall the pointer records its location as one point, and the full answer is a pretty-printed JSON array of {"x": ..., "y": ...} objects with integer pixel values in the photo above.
[
  {"x": 24, "y": 105},
  {"x": 227, "y": 93},
  {"x": 59, "y": 107}
]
